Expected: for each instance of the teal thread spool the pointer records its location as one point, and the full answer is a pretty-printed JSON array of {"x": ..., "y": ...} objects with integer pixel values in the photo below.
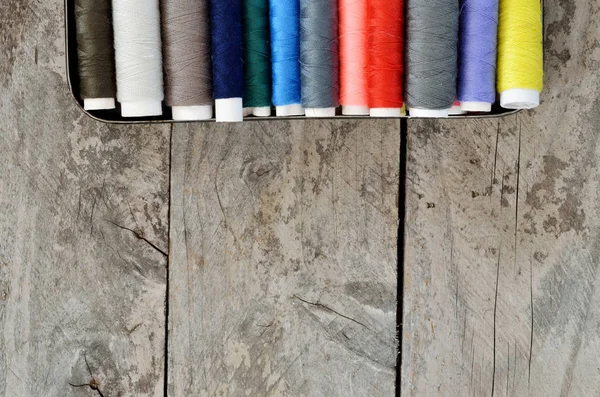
[{"x": 257, "y": 58}]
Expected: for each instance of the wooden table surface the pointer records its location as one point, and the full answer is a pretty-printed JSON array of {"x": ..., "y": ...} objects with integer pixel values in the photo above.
[{"x": 262, "y": 259}]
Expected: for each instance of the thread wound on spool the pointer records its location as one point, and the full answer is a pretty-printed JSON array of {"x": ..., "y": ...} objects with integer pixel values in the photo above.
[
  {"x": 285, "y": 51},
  {"x": 319, "y": 57},
  {"x": 431, "y": 53},
  {"x": 228, "y": 69},
  {"x": 138, "y": 56},
  {"x": 477, "y": 60},
  {"x": 353, "y": 36},
  {"x": 95, "y": 53},
  {"x": 257, "y": 54},
  {"x": 187, "y": 53},
  {"x": 520, "y": 50},
  {"x": 386, "y": 27}
]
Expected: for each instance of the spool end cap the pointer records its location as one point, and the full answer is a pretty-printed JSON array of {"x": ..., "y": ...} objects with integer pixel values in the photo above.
[
  {"x": 320, "y": 112},
  {"x": 354, "y": 110},
  {"x": 229, "y": 110},
  {"x": 428, "y": 113},
  {"x": 520, "y": 98},
  {"x": 192, "y": 113},
  {"x": 99, "y": 103},
  {"x": 141, "y": 108},
  {"x": 289, "y": 110},
  {"x": 386, "y": 112},
  {"x": 262, "y": 111},
  {"x": 456, "y": 110},
  {"x": 476, "y": 106}
]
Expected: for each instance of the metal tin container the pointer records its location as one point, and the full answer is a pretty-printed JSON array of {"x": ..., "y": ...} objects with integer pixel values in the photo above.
[{"x": 114, "y": 116}]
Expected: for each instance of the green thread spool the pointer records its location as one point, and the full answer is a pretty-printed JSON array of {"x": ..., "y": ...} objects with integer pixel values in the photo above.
[{"x": 257, "y": 58}]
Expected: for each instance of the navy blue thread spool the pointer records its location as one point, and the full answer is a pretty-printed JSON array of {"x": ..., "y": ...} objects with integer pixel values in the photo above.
[{"x": 227, "y": 59}]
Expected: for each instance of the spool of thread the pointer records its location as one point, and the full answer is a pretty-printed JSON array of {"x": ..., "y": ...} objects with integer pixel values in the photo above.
[
  {"x": 257, "y": 57},
  {"x": 228, "y": 68},
  {"x": 138, "y": 57},
  {"x": 520, "y": 54},
  {"x": 354, "y": 42},
  {"x": 477, "y": 55},
  {"x": 319, "y": 57},
  {"x": 386, "y": 28},
  {"x": 187, "y": 58},
  {"x": 95, "y": 54},
  {"x": 285, "y": 54},
  {"x": 431, "y": 56}
]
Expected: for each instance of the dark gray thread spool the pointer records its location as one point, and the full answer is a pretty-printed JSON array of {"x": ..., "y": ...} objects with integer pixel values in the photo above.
[
  {"x": 187, "y": 58},
  {"x": 95, "y": 53},
  {"x": 431, "y": 54},
  {"x": 319, "y": 57}
]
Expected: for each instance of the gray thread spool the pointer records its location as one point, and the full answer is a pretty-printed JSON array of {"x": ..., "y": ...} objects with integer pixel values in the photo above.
[
  {"x": 319, "y": 57},
  {"x": 431, "y": 56},
  {"x": 187, "y": 58},
  {"x": 95, "y": 54}
]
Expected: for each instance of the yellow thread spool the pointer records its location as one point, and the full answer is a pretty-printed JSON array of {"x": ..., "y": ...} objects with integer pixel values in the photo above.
[{"x": 520, "y": 54}]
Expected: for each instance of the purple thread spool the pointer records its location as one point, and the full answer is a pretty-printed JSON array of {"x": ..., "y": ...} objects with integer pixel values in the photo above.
[{"x": 477, "y": 55}]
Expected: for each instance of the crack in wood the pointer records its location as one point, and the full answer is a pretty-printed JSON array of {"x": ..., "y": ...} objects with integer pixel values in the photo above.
[
  {"x": 93, "y": 383},
  {"x": 495, "y": 158},
  {"x": 140, "y": 236},
  {"x": 327, "y": 308}
]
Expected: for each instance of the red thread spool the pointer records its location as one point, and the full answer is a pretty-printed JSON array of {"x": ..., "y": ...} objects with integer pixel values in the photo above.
[{"x": 386, "y": 56}]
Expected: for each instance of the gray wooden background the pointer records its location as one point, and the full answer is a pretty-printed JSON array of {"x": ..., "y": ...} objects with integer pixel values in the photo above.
[{"x": 261, "y": 260}]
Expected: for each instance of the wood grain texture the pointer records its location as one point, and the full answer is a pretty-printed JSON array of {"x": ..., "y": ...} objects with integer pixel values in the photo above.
[
  {"x": 83, "y": 215},
  {"x": 503, "y": 253},
  {"x": 283, "y": 272}
]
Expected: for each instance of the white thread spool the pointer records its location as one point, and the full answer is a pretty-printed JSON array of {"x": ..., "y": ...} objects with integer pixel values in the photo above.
[{"x": 138, "y": 56}]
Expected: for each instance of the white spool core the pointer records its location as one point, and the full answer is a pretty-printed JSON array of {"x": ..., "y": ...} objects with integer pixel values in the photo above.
[
  {"x": 456, "y": 110},
  {"x": 141, "y": 108},
  {"x": 263, "y": 111},
  {"x": 386, "y": 112},
  {"x": 192, "y": 113},
  {"x": 229, "y": 110},
  {"x": 354, "y": 110},
  {"x": 320, "y": 112},
  {"x": 295, "y": 109},
  {"x": 99, "y": 103},
  {"x": 476, "y": 106},
  {"x": 520, "y": 98},
  {"x": 428, "y": 113},
  {"x": 247, "y": 112}
]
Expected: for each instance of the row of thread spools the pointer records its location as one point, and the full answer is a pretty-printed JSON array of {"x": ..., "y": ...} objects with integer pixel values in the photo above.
[{"x": 372, "y": 57}]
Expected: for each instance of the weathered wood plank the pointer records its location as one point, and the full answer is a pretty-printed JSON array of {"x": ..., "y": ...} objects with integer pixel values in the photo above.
[
  {"x": 75, "y": 283},
  {"x": 502, "y": 236},
  {"x": 283, "y": 259}
]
